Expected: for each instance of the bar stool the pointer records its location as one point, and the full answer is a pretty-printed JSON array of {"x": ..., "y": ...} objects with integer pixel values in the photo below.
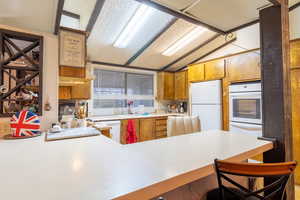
[{"x": 281, "y": 173}]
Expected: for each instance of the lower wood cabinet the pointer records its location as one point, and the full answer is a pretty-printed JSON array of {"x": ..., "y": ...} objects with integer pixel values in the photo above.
[{"x": 146, "y": 128}]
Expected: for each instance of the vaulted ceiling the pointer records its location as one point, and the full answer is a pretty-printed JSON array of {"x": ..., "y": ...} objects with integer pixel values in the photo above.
[{"x": 169, "y": 21}]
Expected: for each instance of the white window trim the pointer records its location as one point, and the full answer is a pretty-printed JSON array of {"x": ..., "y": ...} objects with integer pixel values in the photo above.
[{"x": 137, "y": 71}]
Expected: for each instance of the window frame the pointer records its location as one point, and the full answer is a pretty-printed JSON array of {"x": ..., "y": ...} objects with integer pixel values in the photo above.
[{"x": 126, "y": 71}]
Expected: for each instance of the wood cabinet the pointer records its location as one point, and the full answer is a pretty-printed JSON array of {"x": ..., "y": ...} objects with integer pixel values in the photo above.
[
  {"x": 196, "y": 73},
  {"x": 147, "y": 129},
  {"x": 80, "y": 91},
  {"x": 215, "y": 69},
  {"x": 295, "y": 54},
  {"x": 65, "y": 92},
  {"x": 244, "y": 67},
  {"x": 74, "y": 72},
  {"x": 295, "y": 86},
  {"x": 165, "y": 86},
  {"x": 161, "y": 127},
  {"x": 124, "y": 124},
  {"x": 181, "y": 86}
]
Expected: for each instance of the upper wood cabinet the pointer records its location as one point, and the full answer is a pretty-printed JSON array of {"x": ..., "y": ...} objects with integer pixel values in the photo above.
[
  {"x": 181, "y": 85},
  {"x": 244, "y": 67},
  {"x": 65, "y": 92},
  {"x": 295, "y": 53},
  {"x": 215, "y": 69},
  {"x": 165, "y": 86},
  {"x": 147, "y": 129},
  {"x": 80, "y": 91},
  {"x": 196, "y": 73}
]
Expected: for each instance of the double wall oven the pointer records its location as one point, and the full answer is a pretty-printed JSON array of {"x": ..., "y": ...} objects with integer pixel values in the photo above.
[{"x": 246, "y": 108}]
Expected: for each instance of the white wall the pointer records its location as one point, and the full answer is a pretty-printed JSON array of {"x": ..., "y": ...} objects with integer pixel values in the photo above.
[
  {"x": 50, "y": 79},
  {"x": 249, "y": 37}
]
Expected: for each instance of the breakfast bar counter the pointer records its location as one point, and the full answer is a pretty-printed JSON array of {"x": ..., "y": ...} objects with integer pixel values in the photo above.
[{"x": 97, "y": 168}]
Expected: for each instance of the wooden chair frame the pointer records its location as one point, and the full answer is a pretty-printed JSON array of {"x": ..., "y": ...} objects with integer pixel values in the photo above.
[{"x": 281, "y": 173}]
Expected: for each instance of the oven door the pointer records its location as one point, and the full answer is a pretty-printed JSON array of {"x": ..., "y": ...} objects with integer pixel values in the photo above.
[{"x": 246, "y": 107}]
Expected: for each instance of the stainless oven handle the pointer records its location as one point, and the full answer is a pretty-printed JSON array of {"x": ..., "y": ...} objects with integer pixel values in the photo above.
[{"x": 247, "y": 127}]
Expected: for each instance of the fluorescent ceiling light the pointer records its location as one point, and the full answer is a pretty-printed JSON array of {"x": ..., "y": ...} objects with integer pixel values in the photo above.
[
  {"x": 184, "y": 41},
  {"x": 134, "y": 24}
]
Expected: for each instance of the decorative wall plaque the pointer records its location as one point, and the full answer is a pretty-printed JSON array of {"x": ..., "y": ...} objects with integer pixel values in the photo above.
[{"x": 72, "y": 48}]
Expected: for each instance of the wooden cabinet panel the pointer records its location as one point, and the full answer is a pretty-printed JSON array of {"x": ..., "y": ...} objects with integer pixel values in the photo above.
[
  {"x": 295, "y": 85},
  {"x": 65, "y": 92},
  {"x": 161, "y": 127},
  {"x": 147, "y": 129},
  {"x": 82, "y": 91},
  {"x": 244, "y": 67},
  {"x": 225, "y": 104},
  {"x": 196, "y": 73},
  {"x": 181, "y": 86},
  {"x": 75, "y": 72},
  {"x": 165, "y": 86},
  {"x": 215, "y": 70},
  {"x": 295, "y": 53},
  {"x": 124, "y": 124}
]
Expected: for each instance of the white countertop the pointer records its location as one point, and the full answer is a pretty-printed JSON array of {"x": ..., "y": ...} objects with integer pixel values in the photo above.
[
  {"x": 97, "y": 168},
  {"x": 133, "y": 116}
]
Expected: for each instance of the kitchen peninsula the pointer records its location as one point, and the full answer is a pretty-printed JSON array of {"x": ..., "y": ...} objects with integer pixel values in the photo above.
[{"x": 98, "y": 168}]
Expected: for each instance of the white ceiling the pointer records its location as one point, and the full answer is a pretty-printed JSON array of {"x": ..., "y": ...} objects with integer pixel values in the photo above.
[
  {"x": 113, "y": 18},
  {"x": 81, "y": 7},
  {"x": 29, "y": 14}
]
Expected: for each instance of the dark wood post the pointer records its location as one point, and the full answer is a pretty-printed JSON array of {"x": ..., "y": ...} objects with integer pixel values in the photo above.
[{"x": 275, "y": 60}]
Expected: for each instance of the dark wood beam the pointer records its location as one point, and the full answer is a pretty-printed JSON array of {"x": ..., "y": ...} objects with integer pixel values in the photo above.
[
  {"x": 180, "y": 14},
  {"x": 207, "y": 54},
  {"x": 293, "y": 7},
  {"x": 122, "y": 66},
  {"x": 190, "y": 52},
  {"x": 70, "y": 14},
  {"x": 94, "y": 16},
  {"x": 276, "y": 95},
  {"x": 139, "y": 52},
  {"x": 275, "y": 2},
  {"x": 59, "y": 10}
]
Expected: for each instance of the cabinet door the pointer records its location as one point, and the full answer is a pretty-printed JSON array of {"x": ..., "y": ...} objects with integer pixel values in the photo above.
[
  {"x": 295, "y": 85},
  {"x": 215, "y": 70},
  {"x": 244, "y": 67},
  {"x": 75, "y": 72},
  {"x": 165, "y": 86},
  {"x": 181, "y": 86},
  {"x": 82, "y": 91},
  {"x": 124, "y": 124},
  {"x": 147, "y": 129},
  {"x": 65, "y": 92},
  {"x": 161, "y": 127},
  {"x": 196, "y": 73},
  {"x": 295, "y": 53}
]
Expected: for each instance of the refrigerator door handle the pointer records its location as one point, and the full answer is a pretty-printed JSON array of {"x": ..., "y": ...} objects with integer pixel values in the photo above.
[{"x": 249, "y": 128}]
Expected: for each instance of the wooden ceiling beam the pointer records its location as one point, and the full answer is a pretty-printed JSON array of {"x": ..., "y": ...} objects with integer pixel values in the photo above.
[
  {"x": 207, "y": 54},
  {"x": 275, "y": 2},
  {"x": 59, "y": 10},
  {"x": 148, "y": 44},
  {"x": 190, "y": 52},
  {"x": 94, "y": 16},
  {"x": 181, "y": 15},
  {"x": 122, "y": 66}
]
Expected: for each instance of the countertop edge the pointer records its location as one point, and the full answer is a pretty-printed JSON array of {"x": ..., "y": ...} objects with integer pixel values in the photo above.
[{"x": 170, "y": 184}]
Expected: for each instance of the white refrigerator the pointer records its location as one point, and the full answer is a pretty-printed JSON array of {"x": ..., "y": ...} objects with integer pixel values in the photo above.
[{"x": 206, "y": 102}]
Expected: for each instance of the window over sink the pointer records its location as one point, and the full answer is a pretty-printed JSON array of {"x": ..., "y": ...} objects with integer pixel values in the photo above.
[{"x": 113, "y": 90}]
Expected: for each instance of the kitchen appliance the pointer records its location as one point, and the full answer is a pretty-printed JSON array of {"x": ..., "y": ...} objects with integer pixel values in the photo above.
[
  {"x": 206, "y": 103},
  {"x": 245, "y": 108}
]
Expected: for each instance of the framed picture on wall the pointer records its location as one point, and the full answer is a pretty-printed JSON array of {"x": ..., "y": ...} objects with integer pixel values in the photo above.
[{"x": 72, "y": 47}]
